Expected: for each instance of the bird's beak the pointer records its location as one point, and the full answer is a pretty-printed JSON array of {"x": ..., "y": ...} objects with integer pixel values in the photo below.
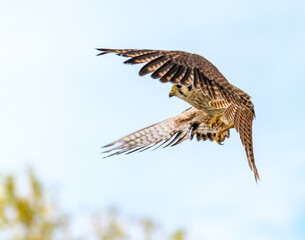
[{"x": 172, "y": 93}]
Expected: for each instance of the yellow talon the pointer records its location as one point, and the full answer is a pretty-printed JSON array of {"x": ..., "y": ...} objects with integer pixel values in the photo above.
[
  {"x": 215, "y": 120},
  {"x": 219, "y": 137}
]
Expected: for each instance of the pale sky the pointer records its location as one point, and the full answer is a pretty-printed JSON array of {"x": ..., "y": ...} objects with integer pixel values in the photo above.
[{"x": 60, "y": 103}]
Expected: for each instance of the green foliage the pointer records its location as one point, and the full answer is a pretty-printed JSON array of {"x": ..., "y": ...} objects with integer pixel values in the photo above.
[
  {"x": 178, "y": 235},
  {"x": 149, "y": 228},
  {"x": 29, "y": 215},
  {"x": 110, "y": 228}
]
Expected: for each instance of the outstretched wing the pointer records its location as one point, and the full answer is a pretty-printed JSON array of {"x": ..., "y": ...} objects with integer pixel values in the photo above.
[
  {"x": 184, "y": 68},
  {"x": 170, "y": 132}
]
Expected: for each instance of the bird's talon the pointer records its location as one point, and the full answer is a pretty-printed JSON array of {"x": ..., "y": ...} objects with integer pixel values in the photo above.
[
  {"x": 219, "y": 138},
  {"x": 215, "y": 120}
]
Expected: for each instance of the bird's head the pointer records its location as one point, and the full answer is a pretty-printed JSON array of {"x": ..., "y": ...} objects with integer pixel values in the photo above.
[{"x": 180, "y": 91}]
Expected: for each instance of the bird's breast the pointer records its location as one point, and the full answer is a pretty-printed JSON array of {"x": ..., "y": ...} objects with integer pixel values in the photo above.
[{"x": 201, "y": 101}]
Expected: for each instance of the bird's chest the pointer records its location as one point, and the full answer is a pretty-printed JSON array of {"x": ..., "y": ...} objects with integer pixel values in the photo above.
[{"x": 201, "y": 102}]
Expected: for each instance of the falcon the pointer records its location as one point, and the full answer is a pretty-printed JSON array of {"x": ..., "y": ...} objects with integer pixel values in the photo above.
[{"x": 217, "y": 105}]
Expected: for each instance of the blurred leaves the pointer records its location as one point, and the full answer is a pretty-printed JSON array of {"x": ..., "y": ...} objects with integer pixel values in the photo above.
[
  {"x": 148, "y": 227},
  {"x": 179, "y": 235},
  {"x": 30, "y": 215},
  {"x": 110, "y": 228}
]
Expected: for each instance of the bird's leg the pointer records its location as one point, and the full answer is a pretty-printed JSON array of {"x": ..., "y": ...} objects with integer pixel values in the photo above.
[
  {"x": 215, "y": 120},
  {"x": 219, "y": 135}
]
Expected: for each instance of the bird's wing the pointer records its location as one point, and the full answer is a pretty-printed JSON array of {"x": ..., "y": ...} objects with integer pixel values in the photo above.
[
  {"x": 184, "y": 68},
  {"x": 168, "y": 133}
]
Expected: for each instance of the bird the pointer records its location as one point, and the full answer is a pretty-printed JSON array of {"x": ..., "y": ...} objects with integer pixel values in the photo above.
[{"x": 216, "y": 105}]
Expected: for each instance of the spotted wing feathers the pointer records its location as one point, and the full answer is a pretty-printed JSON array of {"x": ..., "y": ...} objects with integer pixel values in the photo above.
[
  {"x": 184, "y": 68},
  {"x": 170, "y": 132},
  {"x": 219, "y": 104}
]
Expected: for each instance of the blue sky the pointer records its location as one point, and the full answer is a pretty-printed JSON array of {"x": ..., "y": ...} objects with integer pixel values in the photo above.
[{"x": 60, "y": 103}]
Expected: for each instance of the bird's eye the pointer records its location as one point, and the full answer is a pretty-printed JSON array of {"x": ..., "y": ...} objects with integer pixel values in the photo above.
[{"x": 178, "y": 86}]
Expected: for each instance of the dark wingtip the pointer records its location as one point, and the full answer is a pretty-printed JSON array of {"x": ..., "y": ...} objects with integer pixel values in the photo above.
[
  {"x": 257, "y": 178},
  {"x": 103, "y": 51},
  {"x": 128, "y": 61},
  {"x": 108, "y": 145},
  {"x": 111, "y": 155}
]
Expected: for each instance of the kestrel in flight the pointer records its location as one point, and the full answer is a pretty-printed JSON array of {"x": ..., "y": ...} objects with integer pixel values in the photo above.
[{"x": 217, "y": 105}]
